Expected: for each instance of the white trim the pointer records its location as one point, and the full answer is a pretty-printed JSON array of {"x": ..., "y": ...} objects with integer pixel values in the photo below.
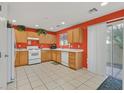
[{"x": 33, "y": 38}]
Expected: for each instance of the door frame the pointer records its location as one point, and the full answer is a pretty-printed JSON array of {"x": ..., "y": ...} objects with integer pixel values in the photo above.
[{"x": 3, "y": 46}]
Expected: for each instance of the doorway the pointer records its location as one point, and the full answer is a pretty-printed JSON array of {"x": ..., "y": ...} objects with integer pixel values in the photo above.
[{"x": 114, "y": 43}]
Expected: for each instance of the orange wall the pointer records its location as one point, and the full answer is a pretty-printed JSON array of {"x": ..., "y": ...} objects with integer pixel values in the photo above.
[{"x": 84, "y": 26}]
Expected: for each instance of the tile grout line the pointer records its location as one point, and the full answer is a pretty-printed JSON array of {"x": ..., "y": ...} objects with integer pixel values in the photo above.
[
  {"x": 84, "y": 82},
  {"x": 28, "y": 78},
  {"x": 16, "y": 78},
  {"x": 40, "y": 79}
]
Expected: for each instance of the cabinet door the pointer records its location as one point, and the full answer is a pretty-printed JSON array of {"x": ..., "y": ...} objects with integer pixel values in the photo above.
[
  {"x": 42, "y": 38},
  {"x": 72, "y": 60},
  {"x": 48, "y": 39},
  {"x": 54, "y": 55},
  {"x": 52, "y": 39},
  {"x": 33, "y": 34},
  {"x": 17, "y": 59},
  {"x": 70, "y": 36},
  {"x": 21, "y": 36},
  {"x": 49, "y": 55},
  {"x": 77, "y": 35},
  {"x": 23, "y": 57},
  {"x": 58, "y": 54},
  {"x": 45, "y": 55}
]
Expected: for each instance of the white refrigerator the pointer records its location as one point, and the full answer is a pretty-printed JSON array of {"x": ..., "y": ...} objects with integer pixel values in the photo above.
[{"x": 11, "y": 55}]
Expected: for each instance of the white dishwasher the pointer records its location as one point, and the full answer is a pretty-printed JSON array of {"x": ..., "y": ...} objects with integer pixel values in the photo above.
[{"x": 64, "y": 58}]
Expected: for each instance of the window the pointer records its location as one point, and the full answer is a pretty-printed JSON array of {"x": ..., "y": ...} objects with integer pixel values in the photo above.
[{"x": 63, "y": 39}]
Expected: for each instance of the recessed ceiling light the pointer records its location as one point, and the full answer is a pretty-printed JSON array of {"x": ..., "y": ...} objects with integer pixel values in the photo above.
[
  {"x": 104, "y": 3},
  {"x": 36, "y": 25},
  {"x": 13, "y": 20},
  {"x": 63, "y": 23}
]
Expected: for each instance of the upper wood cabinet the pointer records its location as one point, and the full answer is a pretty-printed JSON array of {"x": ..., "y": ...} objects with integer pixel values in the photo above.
[
  {"x": 32, "y": 34},
  {"x": 75, "y": 35},
  {"x": 70, "y": 36},
  {"x": 47, "y": 39},
  {"x": 21, "y": 36}
]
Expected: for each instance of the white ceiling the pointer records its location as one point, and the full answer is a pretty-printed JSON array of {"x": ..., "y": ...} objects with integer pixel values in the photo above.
[{"x": 50, "y": 14}]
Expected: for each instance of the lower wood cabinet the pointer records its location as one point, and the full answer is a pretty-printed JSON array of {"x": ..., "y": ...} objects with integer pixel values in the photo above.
[
  {"x": 75, "y": 60},
  {"x": 56, "y": 56},
  {"x": 46, "y": 55},
  {"x": 21, "y": 58}
]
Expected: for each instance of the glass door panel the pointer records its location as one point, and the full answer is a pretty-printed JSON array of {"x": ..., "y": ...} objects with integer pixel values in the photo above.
[{"x": 114, "y": 43}]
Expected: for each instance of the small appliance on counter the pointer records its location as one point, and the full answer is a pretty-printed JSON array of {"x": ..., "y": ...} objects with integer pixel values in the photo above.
[{"x": 53, "y": 46}]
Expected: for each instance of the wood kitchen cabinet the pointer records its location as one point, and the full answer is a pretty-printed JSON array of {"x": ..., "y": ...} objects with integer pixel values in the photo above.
[
  {"x": 21, "y": 36},
  {"x": 75, "y": 35},
  {"x": 46, "y": 55},
  {"x": 17, "y": 59},
  {"x": 32, "y": 34},
  {"x": 47, "y": 39},
  {"x": 70, "y": 36},
  {"x": 56, "y": 56},
  {"x": 75, "y": 60},
  {"x": 21, "y": 58}
]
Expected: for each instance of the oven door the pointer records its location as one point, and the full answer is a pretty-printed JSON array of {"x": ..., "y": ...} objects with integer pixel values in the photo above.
[{"x": 34, "y": 54}]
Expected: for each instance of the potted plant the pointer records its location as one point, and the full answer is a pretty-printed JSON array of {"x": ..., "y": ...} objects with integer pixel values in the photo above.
[
  {"x": 41, "y": 31},
  {"x": 20, "y": 28}
]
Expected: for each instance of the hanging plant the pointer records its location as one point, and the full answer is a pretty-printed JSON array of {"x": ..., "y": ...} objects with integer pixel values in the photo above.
[
  {"x": 9, "y": 25},
  {"x": 20, "y": 28},
  {"x": 41, "y": 31}
]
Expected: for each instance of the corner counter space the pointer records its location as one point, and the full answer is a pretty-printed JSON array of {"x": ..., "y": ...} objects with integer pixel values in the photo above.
[{"x": 68, "y": 57}]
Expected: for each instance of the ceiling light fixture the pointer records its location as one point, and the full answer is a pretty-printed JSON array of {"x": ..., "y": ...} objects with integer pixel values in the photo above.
[
  {"x": 13, "y": 20},
  {"x": 36, "y": 25},
  {"x": 63, "y": 23},
  {"x": 104, "y": 3}
]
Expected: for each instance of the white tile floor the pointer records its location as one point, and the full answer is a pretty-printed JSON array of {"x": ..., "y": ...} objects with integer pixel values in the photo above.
[{"x": 47, "y": 76}]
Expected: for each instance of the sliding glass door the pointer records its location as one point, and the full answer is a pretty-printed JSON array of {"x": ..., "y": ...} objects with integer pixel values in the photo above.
[{"x": 114, "y": 43}]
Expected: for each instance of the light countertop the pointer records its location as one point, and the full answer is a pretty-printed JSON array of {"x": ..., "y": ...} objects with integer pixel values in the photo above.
[
  {"x": 64, "y": 49},
  {"x": 21, "y": 49},
  {"x": 57, "y": 49}
]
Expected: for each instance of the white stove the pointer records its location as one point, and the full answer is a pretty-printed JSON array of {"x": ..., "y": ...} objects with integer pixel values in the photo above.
[{"x": 34, "y": 54}]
